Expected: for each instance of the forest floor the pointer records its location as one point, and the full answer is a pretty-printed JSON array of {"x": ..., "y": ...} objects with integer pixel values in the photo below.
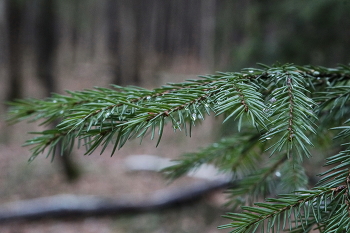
[{"x": 103, "y": 176}]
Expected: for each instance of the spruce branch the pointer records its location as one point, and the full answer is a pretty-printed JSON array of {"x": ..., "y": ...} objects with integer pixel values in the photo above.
[
  {"x": 289, "y": 107},
  {"x": 337, "y": 175},
  {"x": 276, "y": 214},
  {"x": 232, "y": 154},
  {"x": 292, "y": 177},
  {"x": 333, "y": 104},
  {"x": 259, "y": 183},
  {"x": 106, "y": 115},
  {"x": 291, "y": 112},
  {"x": 239, "y": 97}
]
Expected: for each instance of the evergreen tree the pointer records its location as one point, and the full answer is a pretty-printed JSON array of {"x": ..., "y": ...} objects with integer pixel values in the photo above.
[{"x": 283, "y": 114}]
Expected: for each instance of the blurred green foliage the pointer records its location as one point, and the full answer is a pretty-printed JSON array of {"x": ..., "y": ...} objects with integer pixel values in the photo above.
[{"x": 303, "y": 32}]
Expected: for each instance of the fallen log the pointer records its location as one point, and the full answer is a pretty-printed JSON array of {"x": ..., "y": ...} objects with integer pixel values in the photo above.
[{"x": 75, "y": 206}]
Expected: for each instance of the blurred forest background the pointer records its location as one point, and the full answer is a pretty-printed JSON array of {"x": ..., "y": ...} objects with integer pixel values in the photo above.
[{"x": 52, "y": 45}]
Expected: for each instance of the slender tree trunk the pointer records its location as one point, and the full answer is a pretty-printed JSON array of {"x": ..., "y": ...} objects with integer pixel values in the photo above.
[
  {"x": 113, "y": 38},
  {"x": 3, "y": 31},
  {"x": 74, "y": 28},
  {"x": 14, "y": 13},
  {"x": 46, "y": 45},
  {"x": 94, "y": 21},
  {"x": 207, "y": 34},
  {"x": 46, "y": 51},
  {"x": 127, "y": 43}
]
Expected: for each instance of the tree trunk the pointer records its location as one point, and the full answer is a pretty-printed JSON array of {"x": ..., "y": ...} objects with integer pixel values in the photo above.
[
  {"x": 68, "y": 206},
  {"x": 46, "y": 50},
  {"x": 207, "y": 34},
  {"x": 14, "y": 13},
  {"x": 128, "y": 43},
  {"x": 113, "y": 38}
]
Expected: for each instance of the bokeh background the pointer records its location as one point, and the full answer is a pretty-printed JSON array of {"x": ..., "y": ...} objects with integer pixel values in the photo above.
[{"x": 56, "y": 45}]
